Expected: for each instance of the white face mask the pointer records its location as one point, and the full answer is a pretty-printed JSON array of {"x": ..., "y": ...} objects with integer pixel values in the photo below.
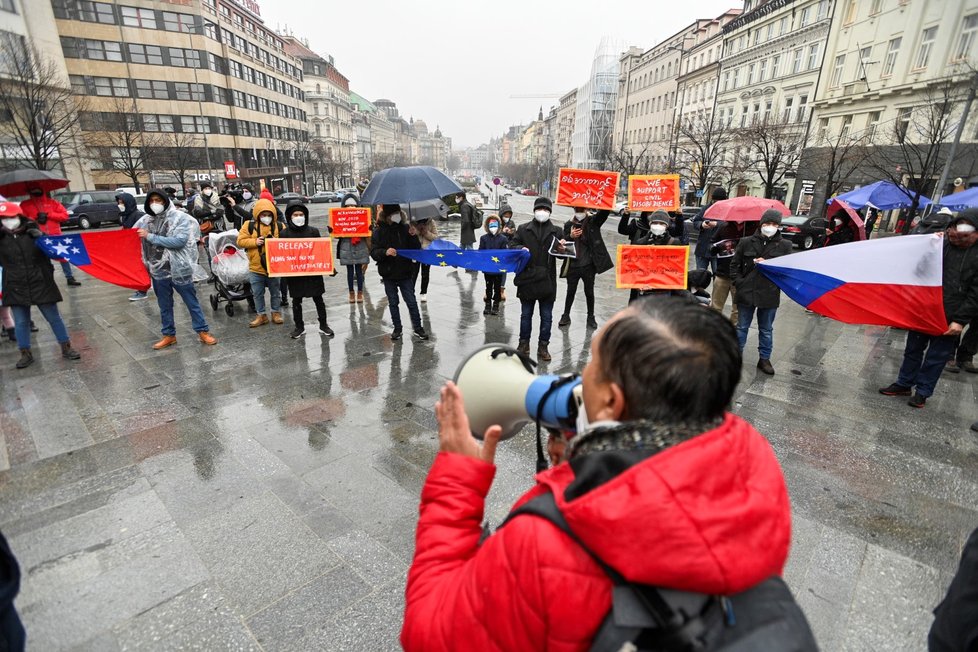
[
  {"x": 768, "y": 231},
  {"x": 657, "y": 229},
  {"x": 122, "y": 208},
  {"x": 396, "y": 218},
  {"x": 206, "y": 192},
  {"x": 246, "y": 196},
  {"x": 541, "y": 216},
  {"x": 10, "y": 223},
  {"x": 156, "y": 209},
  {"x": 299, "y": 220},
  {"x": 964, "y": 227},
  {"x": 350, "y": 203},
  {"x": 493, "y": 229},
  {"x": 579, "y": 216},
  {"x": 265, "y": 219}
]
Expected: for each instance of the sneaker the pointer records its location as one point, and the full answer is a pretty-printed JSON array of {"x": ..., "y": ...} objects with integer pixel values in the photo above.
[
  {"x": 396, "y": 335},
  {"x": 424, "y": 298},
  {"x": 421, "y": 334},
  {"x": 917, "y": 401},
  {"x": 326, "y": 330},
  {"x": 564, "y": 321},
  {"x": 138, "y": 296},
  {"x": 73, "y": 283},
  {"x": 895, "y": 390},
  {"x": 297, "y": 332},
  {"x": 765, "y": 366}
]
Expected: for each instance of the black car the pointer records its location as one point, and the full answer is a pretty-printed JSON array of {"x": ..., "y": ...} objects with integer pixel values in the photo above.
[
  {"x": 88, "y": 208},
  {"x": 287, "y": 197},
  {"x": 804, "y": 231}
]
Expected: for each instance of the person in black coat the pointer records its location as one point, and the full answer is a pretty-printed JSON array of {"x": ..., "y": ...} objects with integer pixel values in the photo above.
[
  {"x": 302, "y": 287},
  {"x": 635, "y": 228},
  {"x": 469, "y": 221},
  {"x": 659, "y": 234},
  {"x": 755, "y": 292},
  {"x": 28, "y": 280},
  {"x": 955, "y": 627},
  {"x": 508, "y": 230},
  {"x": 592, "y": 259},
  {"x": 493, "y": 239},
  {"x": 12, "y": 635},
  {"x": 707, "y": 233},
  {"x": 537, "y": 283},
  {"x": 397, "y": 272}
]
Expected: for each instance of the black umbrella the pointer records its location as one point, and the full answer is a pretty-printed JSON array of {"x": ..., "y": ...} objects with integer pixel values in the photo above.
[{"x": 408, "y": 184}]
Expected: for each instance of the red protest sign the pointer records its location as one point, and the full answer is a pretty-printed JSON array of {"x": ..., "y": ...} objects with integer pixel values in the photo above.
[
  {"x": 351, "y": 222},
  {"x": 645, "y": 267},
  {"x": 652, "y": 192},
  {"x": 299, "y": 256},
  {"x": 587, "y": 188}
]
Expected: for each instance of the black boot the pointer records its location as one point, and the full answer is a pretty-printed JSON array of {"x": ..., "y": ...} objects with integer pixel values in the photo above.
[
  {"x": 495, "y": 308},
  {"x": 69, "y": 353},
  {"x": 73, "y": 283},
  {"x": 564, "y": 321},
  {"x": 488, "y": 308},
  {"x": 26, "y": 359},
  {"x": 11, "y": 335}
]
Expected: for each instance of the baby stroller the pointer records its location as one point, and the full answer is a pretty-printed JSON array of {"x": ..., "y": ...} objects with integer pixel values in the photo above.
[{"x": 229, "y": 264}]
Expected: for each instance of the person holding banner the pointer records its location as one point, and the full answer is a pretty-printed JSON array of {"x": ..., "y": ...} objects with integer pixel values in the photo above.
[
  {"x": 508, "y": 230},
  {"x": 537, "y": 283},
  {"x": 493, "y": 239},
  {"x": 658, "y": 235},
  {"x": 251, "y": 238},
  {"x": 592, "y": 259},
  {"x": 49, "y": 215},
  {"x": 397, "y": 272},
  {"x": 427, "y": 233},
  {"x": 354, "y": 254},
  {"x": 304, "y": 287}
]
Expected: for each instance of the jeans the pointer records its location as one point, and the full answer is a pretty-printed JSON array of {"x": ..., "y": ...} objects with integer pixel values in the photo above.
[
  {"x": 575, "y": 275},
  {"x": 164, "y": 287},
  {"x": 765, "y": 328},
  {"x": 722, "y": 288},
  {"x": 920, "y": 369},
  {"x": 406, "y": 286},
  {"x": 354, "y": 273},
  {"x": 703, "y": 262},
  {"x": 258, "y": 284},
  {"x": 66, "y": 268},
  {"x": 297, "y": 310},
  {"x": 494, "y": 287},
  {"x": 526, "y": 319},
  {"x": 22, "y": 323},
  {"x": 425, "y": 272}
]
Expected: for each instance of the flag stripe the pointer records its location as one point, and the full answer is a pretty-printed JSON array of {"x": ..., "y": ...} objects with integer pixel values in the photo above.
[
  {"x": 885, "y": 305},
  {"x": 802, "y": 286}
]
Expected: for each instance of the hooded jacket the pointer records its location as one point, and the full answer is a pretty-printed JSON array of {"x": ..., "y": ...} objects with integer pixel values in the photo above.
[
  {"x": 28, "y": 276},
  {"x": 170, "y": 248},
  {"x": 960, "y": 277},
  {"x": 538, "y": 280},
  {"x": 301, "y": 287},
  {"x": 253, "y": 229},
  {"x": 57, "y": 214},
  {"x": 508, "y": 225},
  {"x": 709, "y": 515},
  {"x": 490, "y": 241},
  {"x": 753, "y": 288},
  {"x": 131, "y": 214}
]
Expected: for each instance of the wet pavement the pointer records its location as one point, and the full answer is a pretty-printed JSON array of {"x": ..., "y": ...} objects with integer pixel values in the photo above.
[{"x": 262, "y": 493}]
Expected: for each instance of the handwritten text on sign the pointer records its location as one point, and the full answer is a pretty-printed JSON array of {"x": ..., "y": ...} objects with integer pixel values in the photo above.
[
  {"x": 652, "y": 192},
  {"x": 299, "y": 256},
  {"x": 350, "y": 222},
  {"x": 651, "y": 268},
  {"x": 587, "y": 188}
]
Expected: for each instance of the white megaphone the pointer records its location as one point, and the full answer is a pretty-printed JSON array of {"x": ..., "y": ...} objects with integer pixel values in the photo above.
[{"x": 499, "y": 387}]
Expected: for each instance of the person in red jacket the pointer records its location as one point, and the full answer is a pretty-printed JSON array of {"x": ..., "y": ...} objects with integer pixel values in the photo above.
[
  {"x": 49, "y": 215},
  {"x": 660, "y": 482}
]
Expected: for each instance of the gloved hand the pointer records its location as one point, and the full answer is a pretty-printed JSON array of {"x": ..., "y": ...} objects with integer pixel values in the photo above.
[
  {"x": 42, "y": 218},
  {"x": 34, "y": 233}
]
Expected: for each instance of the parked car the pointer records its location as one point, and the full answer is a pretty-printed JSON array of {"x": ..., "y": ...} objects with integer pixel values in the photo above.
[
  {"x": 286, "y": 197},
  {"x": 324, "y": 197},
  {"x": 804, "y": 231},
  {"x": 88, "y": 208},
  {"x": 620, "y": 207},
  {"x": 529, "y": 192}
]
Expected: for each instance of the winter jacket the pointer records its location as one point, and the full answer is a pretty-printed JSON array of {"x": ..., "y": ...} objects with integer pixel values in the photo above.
[
  {"x": 708, "y": 515},
  {"x": 507, "y": 226},
  {"x": 725, "y": 231},
  {"x": 490, "y": 241},
  {"x": 204, "y": 208},
  {"x": 634, "y": 228},
  {"x": 955, "y": 627},
  {"x": 427, "y": 232},
  {"x": 592, "y": 242},
  {"x": 538, "y": 280},
  {"x": 349, "y": 253},
  {"x": 706, "y": 237},
  {"x": 253, "y": 229},
  {"x": 386, "y": 236},
  {"x": 301, "y": 287},
  {"x": 753, "y": 288},
  {"x": 170, "y": 248},
  {"x": 129, "y": 216},
  {"x": 960, "y": 283},
  {"x": 28, "y": 276},
  {"x": 56, "y": 213},
  {"x": 12, "y": 635},
  {"x": 241, "y": 212},
  {"x": 469, "y": 222}
]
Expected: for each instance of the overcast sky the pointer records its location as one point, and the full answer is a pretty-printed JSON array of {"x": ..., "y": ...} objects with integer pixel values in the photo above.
[{"x": 461, "y": 77}]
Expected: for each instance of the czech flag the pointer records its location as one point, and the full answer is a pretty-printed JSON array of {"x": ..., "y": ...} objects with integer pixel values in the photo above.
[
  {"x": 114, "y": 256},
  {"x": 893, "y": 281},
  {"x": 442, "y": 253}
]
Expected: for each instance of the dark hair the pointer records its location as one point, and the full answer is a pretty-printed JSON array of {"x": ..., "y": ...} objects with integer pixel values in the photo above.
[{"x": 674, "y": 360}]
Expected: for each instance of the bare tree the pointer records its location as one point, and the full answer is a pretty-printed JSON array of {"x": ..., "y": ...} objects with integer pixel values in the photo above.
[
  {"x": 300, "y": 151},
  {"x": 119, "y": 143},
  {"x": 775, "y": 147},
  {"x": 178, "y": 154},
  {"x": 912, "y": 148},
  {"x": 632, "y": 159},
  {"x": 701, "y": 145},
  {"x": 834, "y": 159},
  {"x": 42, "y": 114},
  {"x": 732, "y": 169}
]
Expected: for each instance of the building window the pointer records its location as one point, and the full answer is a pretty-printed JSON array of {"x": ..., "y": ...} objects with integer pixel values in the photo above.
[
  {"x": 184, "y": 58},
  {"x": 823, "y": 10},
  {"x": 783, "y": 26},
  {"x": 876, "y": 7},
  {"x": 100, "y": 50},
  {"x": 174, "y": 22},
  {"x": 138, "y": 17},
  {"x": 851, "y": 11},
  {"x": 892, "y": 50},
  {"x": 750, "y": 74},
  {"x": 813, "y": 52},
  {"x": 846, "y": 127},
  {"x": 92, "y": 12},
  {"x": 823, "y": 130},
  {"x": 927, "y": 38},
  {"x": 762, "y": 71},
  {"x": 78, "y": 86},
  {"x": 967, "y": 41},
  {"x": 166, "y": 123},
  {"x": 194, "y": 124},
  {"x": 767, "y": 111},
  {"x": 872, "y": 124},
  {"x": 189, "y": 92},
  {"x": 837, "y": 70},
  {"x": 786, "y": 114},
  {"x": 152, "y": 90},
  {"x": 743, "y": 116},
  {"x": 902, "y": 124},
  {"x": 796, "y": 61},
  {"x": 111, "y": 87},
  {"x": 726, "y": 80},
  {"x": 806, "y": 16},
  {"x": 802, "y": 108}
]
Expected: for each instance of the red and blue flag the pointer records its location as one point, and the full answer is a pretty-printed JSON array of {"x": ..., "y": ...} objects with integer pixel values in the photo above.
[{"x": 113, "y": 256}]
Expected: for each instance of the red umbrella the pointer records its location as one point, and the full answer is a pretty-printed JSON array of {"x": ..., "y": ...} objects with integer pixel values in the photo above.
[
  {"x": 743, "y": 209},
  {"x": 840, "y": 205},
  {"x": 19, "y": 182}
]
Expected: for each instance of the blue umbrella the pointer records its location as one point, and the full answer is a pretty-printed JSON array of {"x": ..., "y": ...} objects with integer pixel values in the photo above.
[
  {"x": 408, "y": 184},
  {"x": 961, "y": 200},
  {"x": 884, "y": 195}
]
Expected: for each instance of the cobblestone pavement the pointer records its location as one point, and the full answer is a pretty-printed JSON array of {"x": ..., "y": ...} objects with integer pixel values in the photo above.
[{"x": 262, "y": 493}]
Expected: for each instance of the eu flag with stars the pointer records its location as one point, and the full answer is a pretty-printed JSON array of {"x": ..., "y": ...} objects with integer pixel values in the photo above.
[
  {"x": 442, "y": 253},
  {"x": 114, "y": 256}
]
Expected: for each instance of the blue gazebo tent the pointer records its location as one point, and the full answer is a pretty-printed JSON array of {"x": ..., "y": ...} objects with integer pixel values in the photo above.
[{"x": 884, "y": 195}]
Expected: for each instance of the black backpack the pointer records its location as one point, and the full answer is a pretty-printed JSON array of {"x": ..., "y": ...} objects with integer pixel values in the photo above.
[{"x": 764, "y": 617}]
